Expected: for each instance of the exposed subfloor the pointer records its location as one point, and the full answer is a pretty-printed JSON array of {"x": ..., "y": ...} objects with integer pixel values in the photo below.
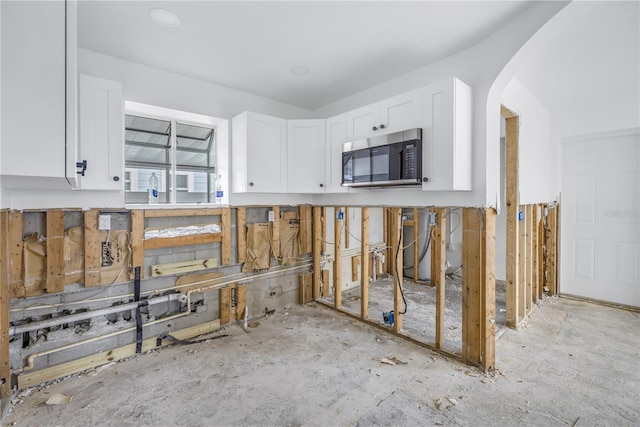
[
  {"x": 419, "y": 321},
  {"x": 574, "y": 363}
]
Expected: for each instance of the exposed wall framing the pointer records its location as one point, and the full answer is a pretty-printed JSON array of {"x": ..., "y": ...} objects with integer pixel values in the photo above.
[
  {"x": 438, "y": 262},
  {"x": 5, "y": 267}
]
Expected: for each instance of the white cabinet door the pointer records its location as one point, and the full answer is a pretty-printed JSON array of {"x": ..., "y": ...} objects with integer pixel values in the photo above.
[
  {"x": 362, "y": 121},
  {"x": 446, "y": 136},
  {"x": 259, "y": 153},
  {"x": 306, "y": 156},
  {"x": 401, "y": 112},
  {"x": 336, "y": 137},
  {"x": 101, "y": 134},
  {"x": 391, "y": 115},
  {"x": 38, "y": 94}
]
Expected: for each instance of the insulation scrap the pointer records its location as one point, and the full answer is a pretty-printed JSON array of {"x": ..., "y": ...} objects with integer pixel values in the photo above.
[
  {"x": 181, "y": 231},
  {"x": 59, "y": 399}
]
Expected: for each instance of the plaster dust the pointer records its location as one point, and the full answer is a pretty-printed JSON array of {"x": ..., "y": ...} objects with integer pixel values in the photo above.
[{"x": 310, "y": 365}]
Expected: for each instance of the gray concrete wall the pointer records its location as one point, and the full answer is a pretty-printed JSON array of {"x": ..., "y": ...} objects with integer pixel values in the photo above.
[{"x": 262, "y": 294}]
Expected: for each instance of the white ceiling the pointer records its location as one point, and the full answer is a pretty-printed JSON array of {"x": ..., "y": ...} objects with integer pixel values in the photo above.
[{"x": 251, "y": 46}]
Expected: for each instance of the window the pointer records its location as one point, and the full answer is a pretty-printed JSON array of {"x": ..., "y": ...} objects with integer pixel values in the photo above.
[{"x": 180, "y": 153}]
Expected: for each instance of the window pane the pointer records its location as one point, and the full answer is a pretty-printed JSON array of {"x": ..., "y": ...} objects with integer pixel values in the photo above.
[
  {"x": 187, "y": 158},
  {"x": 199, "y": 190},
  {"x": 189, "y": 136},
  {"x": 139, "y": 185},
  {"x": 133, "y": 153}
]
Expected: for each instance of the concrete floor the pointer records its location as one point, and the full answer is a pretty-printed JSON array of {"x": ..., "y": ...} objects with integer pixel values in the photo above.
[{"x": 574, "y": 363}]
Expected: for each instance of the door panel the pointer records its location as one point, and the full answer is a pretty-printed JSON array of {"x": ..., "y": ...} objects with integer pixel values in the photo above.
[{"x": 600, "y": 221}]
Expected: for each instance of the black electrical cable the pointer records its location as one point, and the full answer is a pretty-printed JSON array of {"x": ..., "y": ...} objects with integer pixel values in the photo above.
[{"x": 398, "y": 275}]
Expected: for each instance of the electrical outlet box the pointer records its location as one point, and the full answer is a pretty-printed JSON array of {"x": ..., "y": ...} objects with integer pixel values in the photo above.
[
  {"x": 272, "y": 216},
  {"x": 104, "y": 222},
  {"x": 432, "y": 218}
]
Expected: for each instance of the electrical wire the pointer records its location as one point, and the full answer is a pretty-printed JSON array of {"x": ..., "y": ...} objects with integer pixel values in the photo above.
[{"x": 400, "y": 276}]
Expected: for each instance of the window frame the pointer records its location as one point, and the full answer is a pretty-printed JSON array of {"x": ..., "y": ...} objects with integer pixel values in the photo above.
[{"x": 220, "y": 151}]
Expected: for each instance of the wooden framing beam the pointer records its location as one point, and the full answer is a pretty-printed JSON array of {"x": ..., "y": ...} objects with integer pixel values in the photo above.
[
  {"x": 396, "y": 240},
  {"x": 196, "y": 239},
  {"x": 355, "y": 270},
  {"x": 529, "y": 256},
  {"x": 364, "y": 264},
  {"x": 241, "y": 233},
  {"x": 541, "y": 246},
  {"x": 225, "y": 250},
  {"x": 55, "y": 250},
  {"x": 522, "y": 264},
  {"x": 15, "y": 256},
  {"x": 317, "y": 251},
  {"x": 5, "y": 367},
  {"x": 552, "y": 247},
  {"x": 478, "y": 287},
  {"x": 275, "y": 232},
  {"x": 392, "y": 240},
  {"x": 347, "y": 230},
  {"x": 165, "y": 213},
  {"x": 323, "y": 232},
  {"x": 416, "y": 244},
  {"x": 337, "y": 259},
  {"x": 305, "y": 288},
  {"x": 385, "y": 235},
  {"x": 306, "y": 229},
  {"x": 488, "y": 313},
  {"x": 438, "y": 269},
  {"x": 511, "y": 198},
  {"x": 137, "y": 242},
  {"x": 92, "y": 248},
  {"x": 534, "y": 254}
]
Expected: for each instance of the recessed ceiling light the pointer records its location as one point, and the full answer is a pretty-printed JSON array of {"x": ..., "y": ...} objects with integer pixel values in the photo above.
[
  {"x": 300, "y": 70},
  {"x": 165, "y": 17}
]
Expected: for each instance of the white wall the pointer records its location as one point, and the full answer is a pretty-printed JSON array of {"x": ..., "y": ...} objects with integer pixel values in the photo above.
[
  {"x": 534, "y": 166},
  {"x": 585, "y": 72},
  {"x": 478, "y": 66},
  {"x": 162, "y": 89}
]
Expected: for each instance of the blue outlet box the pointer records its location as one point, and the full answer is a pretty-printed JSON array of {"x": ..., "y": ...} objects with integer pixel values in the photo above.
[
  {"x": 520, "y": 216},
  {"x": 387, "y": 318}
]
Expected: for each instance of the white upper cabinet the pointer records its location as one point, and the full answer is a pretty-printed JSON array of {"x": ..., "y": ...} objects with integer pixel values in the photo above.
[
  {"x": 101, "y": 134},
  {"x": 336, "y": 137},
  {"x": 306, "y": 156},
  {"x": 446, "y": 136},
  {"x": 391, "y": 115},
  {"x": 258, "y": 154},
  {"x": 39, "y": 89}
]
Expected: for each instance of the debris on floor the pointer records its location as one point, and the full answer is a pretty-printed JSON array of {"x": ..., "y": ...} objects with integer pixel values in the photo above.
[
  {"x": 445, "y": 403},
  {"x": 58, "y": 399}
]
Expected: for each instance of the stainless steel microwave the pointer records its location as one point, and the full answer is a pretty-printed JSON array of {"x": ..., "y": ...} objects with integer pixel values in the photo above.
[{"x": 385, "y": 160}]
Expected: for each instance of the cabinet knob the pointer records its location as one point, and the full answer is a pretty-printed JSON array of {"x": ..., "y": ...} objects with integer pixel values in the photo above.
[
  {"x": 251, "y": 184},
  {"x": 381, "y": 126},
  {"x": 374, "y": 128},
  {"x": 116, "y": 178},
  {"x": 425, "y": 179},
  {"x": 321, "y": 185}
]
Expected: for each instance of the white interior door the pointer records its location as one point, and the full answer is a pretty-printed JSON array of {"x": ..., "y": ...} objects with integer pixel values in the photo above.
[{"x": 600, "y": 234}]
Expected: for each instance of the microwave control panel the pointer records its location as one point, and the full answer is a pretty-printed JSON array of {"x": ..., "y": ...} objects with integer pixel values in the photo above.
[{"x": 411, "y": 161}]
